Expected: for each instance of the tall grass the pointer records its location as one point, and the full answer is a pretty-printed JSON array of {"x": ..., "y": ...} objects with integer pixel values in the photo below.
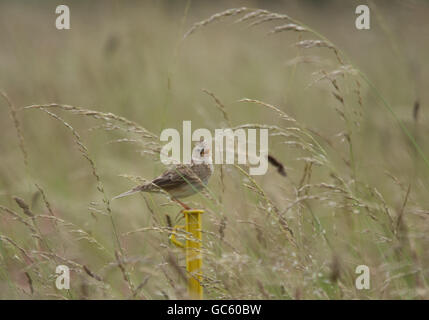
[{"x": 331, "y": 201}]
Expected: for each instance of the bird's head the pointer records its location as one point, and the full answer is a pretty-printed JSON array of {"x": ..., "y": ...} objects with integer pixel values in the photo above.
[{"x": 202, "y": 152}]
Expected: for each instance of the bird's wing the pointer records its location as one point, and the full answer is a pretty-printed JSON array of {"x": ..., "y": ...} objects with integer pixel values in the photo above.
[{"x": 175, "y": 177}]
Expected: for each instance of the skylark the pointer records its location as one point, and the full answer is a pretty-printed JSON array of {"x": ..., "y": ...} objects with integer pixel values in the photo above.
[{"x": 182, "y": 180}]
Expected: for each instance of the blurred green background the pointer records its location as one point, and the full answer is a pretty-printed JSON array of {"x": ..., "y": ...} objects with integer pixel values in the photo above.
[{"x": 129, "y": 58}]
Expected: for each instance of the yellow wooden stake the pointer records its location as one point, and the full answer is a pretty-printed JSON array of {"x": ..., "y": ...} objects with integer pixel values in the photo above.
[{"x": 192, "y": 246}]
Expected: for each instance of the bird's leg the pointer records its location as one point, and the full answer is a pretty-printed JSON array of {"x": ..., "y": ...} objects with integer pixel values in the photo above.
[{"x": 182, "y": 204}]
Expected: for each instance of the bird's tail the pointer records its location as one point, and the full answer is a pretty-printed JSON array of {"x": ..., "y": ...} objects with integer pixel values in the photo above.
[{"x": 128, "y": 193}]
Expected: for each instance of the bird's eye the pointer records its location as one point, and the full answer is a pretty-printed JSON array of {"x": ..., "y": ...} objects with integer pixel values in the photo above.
[{"x": 202, "y": 152}]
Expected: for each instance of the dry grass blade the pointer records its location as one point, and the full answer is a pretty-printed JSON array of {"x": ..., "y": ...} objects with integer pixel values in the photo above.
[
  {"x": 100, "y": 187},
  {"x": 132, "y": 125},
  {"x": 288, "y": 27},
  {"x": 141, "y": 286},
  {"x": 270, "y": 17},
  {"x": 17, "y": 217},
  {"x": 268, "y": 236},
  {"x": 17, "y": 127},
  {"x": 222, "y": 227},
  {"x": 219, "y": 105},
  {"x": 306, "y": 44},
  {"x": 30, "y": 282},
  {"x": 75, "y": 266},
  {"x": 308, "y": 60},
  {"x": 340, "y": 99},
  {"x": 213, "y": 18},
  {"x": 124, "y": 271},
  {"x": 22, "y": 250},
  {"x": 252, "y": 15},
  {"x": 271, "y": 208},
  {"x": 269, "y": 106},
  {"x": 45, "y": 199},
  {"x": 172, "y": 262},
  {"x": 73, "y": 229},
  {"x": 399, "y": 219},
  {"x": 25, "y": 208},
  {"x": 92, "y": 274}
]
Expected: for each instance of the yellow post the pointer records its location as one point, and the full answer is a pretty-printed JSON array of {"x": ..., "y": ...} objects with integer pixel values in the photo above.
[{"x": 194, "y": 260}]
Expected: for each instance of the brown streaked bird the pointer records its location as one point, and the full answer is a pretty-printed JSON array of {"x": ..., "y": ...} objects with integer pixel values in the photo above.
[{"x": 182, "y": 180}]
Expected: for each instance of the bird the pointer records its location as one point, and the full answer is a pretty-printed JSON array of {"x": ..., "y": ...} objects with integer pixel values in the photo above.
[{"x": 182, "y": 180}]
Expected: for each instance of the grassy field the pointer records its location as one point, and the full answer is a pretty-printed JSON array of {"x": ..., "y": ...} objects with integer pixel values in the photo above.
[{"x": 80, "y": 115}]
